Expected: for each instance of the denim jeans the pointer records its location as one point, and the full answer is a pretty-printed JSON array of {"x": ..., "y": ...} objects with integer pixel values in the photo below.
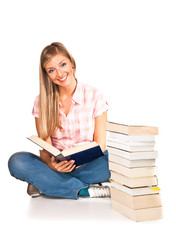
[{"x": 30, "y": 168}]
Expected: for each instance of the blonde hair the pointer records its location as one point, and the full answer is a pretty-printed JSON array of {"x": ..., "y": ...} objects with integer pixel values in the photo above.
[{"x": 49, "y": 92}]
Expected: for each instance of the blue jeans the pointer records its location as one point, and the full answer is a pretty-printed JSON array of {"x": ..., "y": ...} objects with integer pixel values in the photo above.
[{"x": 30, "y": 168}]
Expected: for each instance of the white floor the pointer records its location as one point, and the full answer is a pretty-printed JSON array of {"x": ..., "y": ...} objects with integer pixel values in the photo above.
[{"x": 23, "y": 217}]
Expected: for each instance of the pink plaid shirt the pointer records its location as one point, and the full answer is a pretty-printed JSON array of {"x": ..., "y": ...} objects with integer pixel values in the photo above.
[{"x": 78, "y": 126}]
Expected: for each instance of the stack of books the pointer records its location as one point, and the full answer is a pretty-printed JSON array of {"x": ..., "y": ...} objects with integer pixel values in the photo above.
[{"x": 134, "y": 187}]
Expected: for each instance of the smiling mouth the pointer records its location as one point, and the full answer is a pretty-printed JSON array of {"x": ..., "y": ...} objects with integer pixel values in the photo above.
[{"x": 63, "y": 79}]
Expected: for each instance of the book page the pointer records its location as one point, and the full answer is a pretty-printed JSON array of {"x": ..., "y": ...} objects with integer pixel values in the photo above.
[{"x": 48, "y": 147}]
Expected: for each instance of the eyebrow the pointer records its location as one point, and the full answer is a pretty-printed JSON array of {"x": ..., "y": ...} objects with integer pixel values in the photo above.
[{"x": 52, "y": 67}]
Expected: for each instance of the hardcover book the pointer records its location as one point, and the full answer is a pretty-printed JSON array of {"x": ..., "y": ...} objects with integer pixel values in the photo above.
[
  {"x": 131, "y": 164},
  {"x": 132, "y": 155},
  {"x": 131, "y": 148},
  {"x": 135, "y": 191},
  {"x": 81, "y": 154},
  {"x": 131, "y": 130},
  {"x": 120, "y": 137},
  {"x": 136, "y": 202},
  {"x": 132, "y": 172},
  {"x": 134, "y": 182},
  {"x": 138, "y": 215}
]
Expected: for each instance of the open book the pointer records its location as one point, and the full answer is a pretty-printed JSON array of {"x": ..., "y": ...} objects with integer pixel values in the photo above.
[{"x": 81, "y": 154}]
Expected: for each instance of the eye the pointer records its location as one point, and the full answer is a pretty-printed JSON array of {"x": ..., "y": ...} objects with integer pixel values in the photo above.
[
  {"x": 50, "y": 71},
  {"x": 63, "y": 64}
]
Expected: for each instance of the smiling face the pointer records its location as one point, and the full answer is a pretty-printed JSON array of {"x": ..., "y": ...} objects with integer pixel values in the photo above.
[{"x": 60, "y": 70}]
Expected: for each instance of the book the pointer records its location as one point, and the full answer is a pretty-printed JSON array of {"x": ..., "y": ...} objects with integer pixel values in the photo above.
[
  {"x": 131, "y": 164},
  {"x": 136, "y": 202},
  {"x": 131, "y": 143},
  {"x": 131, "y": 130},
  {"x": 131, "y": 148},
  {"x": 138, "y": 215},
  {"x": 134, "y": 182},
  {"x": 135, "y": 191},
  {"x": 130, "y": 139},
  {"x": 132, "y": 155},
  {"x": 81, "y": 154},
  {"x": 132, "y": 172}
]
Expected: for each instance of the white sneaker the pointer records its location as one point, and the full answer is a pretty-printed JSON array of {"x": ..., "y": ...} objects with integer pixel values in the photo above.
[
  {"x": 99, "y": 191},
  {"x": 105, "y": 184}
]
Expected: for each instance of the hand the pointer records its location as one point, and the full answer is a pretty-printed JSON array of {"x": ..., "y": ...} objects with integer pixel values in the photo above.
[{"x": 62, "y": 166}]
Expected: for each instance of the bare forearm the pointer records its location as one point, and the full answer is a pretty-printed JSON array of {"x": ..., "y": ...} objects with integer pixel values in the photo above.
[{"x": 100, "y": 130}]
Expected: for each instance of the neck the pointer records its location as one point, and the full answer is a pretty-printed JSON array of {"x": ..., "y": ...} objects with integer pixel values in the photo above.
[{"x": 68, "y": 90}]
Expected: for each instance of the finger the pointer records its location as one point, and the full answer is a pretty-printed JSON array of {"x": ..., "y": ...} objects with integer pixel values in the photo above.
[
  {"x": 61, "y": 162},
  {"x": 53, "y": 159},
  {"x": 61, "y": 165},
  {"x": 67, "y": 163},
  {"x": 66, "y": 166},
  {"x": 70, "y": 167},
  {"x": 54, "y": 162}
]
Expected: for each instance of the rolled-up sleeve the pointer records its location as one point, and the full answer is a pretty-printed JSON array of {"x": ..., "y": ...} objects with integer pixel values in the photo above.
[{"x": 101, "y": 105}]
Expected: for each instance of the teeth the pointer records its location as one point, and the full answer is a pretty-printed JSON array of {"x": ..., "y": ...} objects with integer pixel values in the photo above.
[{"x": 63, "y": 78}]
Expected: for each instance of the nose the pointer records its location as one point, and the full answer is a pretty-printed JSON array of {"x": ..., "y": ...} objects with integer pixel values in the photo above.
[{"x": 59, "y": 72}]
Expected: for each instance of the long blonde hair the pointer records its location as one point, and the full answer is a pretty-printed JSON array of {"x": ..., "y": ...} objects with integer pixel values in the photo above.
[{"x": 49, "y": 92}]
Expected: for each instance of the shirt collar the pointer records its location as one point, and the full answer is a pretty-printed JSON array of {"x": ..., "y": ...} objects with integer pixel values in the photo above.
[{"x": 78, "y": 94}]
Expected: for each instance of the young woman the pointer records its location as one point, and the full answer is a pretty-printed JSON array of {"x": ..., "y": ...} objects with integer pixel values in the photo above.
[{"x": 67, "y": 113}]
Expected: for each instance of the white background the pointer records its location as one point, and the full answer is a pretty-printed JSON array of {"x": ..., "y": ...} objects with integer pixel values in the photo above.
[{"x": 127, "y": 49}]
